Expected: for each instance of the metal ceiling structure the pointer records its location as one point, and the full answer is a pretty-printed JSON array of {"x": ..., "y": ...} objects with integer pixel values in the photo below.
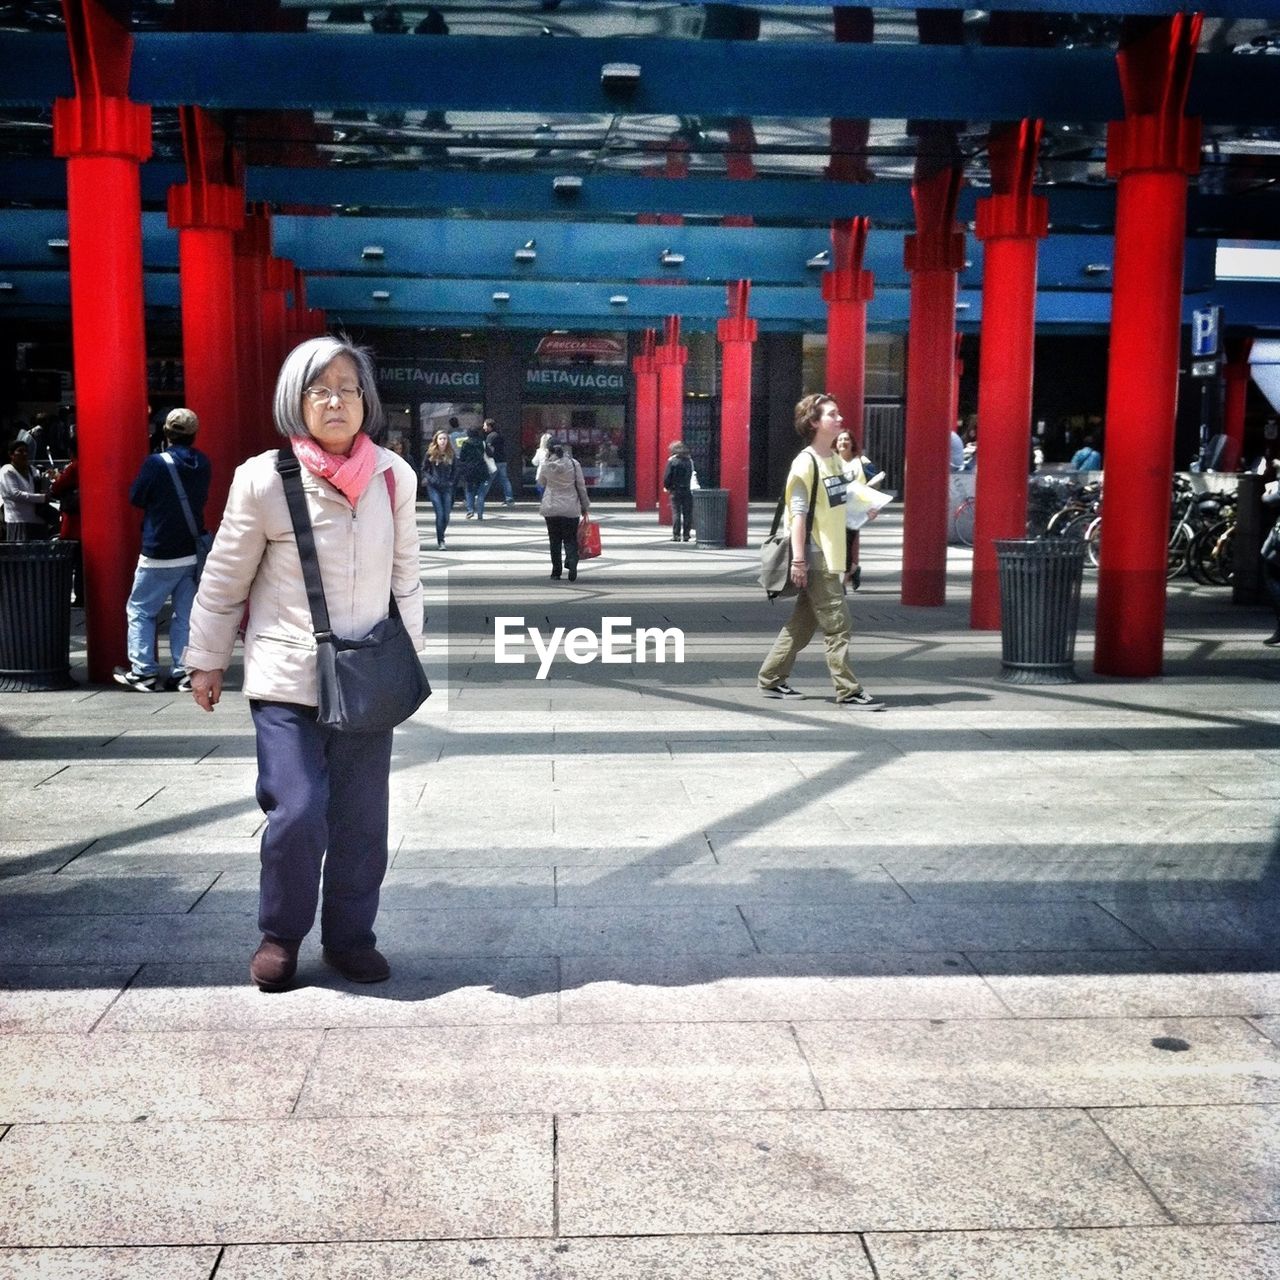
[{"x": 604, "y": 132}]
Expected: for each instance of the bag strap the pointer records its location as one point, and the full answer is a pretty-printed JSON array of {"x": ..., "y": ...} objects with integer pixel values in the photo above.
[
  {"x": 813, "y": 499},
  {"x": 167, "y": 457},
  {"x": 291, "y": 477}
]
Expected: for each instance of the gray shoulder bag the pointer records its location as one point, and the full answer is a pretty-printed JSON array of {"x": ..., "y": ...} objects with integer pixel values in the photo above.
[
  {"x": 775, "y": 550},
  {"x": 367, "y": 685}
]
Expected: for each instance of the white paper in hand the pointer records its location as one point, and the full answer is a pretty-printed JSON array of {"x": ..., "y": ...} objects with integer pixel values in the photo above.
[{"x": 861, "y": 502}]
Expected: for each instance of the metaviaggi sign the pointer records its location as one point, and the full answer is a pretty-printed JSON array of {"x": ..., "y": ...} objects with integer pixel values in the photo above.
[
  {"x": 577, "y": 379},
  {"x": 614, "y": 643},
  {"x": 454, "y": 376}
]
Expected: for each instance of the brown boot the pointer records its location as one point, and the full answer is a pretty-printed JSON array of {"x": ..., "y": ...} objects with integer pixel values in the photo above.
[
  {"x": 364, "y": 964},
  {"x": 274, "y": 964}
]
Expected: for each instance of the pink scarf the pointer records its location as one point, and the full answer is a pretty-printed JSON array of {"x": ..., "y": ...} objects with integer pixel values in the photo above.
[{"x": 349, "y": 475}]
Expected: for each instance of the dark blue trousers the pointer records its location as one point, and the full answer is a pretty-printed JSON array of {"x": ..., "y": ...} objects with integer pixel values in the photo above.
[{"x": 325, "y": 795}]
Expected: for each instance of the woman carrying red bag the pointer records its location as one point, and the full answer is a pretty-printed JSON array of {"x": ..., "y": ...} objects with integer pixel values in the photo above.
[{"x": 564, "y": 502}]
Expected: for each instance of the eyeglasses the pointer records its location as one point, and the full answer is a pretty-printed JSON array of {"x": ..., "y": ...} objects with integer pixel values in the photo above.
[{"x": 322, "y": 395}]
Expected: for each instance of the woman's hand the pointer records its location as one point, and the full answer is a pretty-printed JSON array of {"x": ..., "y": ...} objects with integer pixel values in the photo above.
[
  {"x": 206, "y": 688},
  {"x": 799, "y": 573}
]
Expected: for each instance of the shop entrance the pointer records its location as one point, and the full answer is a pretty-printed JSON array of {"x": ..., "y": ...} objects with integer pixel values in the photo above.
[{"x": 593, "y": 433}]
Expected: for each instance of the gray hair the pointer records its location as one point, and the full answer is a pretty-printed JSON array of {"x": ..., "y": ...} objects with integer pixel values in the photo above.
[{"x": 304, "y": 364}]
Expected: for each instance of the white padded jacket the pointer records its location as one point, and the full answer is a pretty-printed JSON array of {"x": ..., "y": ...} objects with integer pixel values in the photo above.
[{"x": 364, "y": 554}]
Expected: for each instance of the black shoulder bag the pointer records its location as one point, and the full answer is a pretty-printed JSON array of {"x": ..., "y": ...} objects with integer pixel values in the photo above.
[
  {"x": 775, "y": 550},
  {"x": 367, "y": 685}
]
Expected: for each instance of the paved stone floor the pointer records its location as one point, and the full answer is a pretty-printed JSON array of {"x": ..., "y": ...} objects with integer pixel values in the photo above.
[{"x": 686, "y": 982}]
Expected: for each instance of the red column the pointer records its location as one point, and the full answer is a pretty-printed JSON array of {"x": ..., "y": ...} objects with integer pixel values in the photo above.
[
  {"x": 275, "y": 318},
  {"x": 934, "y": 255},
  {"x": 854, "y": 24},
  {"x": 1011, "y": 225},
  {"x": 671, "y": 359},
  {"x": 104, "y": 138},
  {"x": 737, "y": 334},
  {"x": 252, "y": 246},
  {"x": 1151, "y": 152},
  {"x": 846, "y": 289},
  {"x": 645, "y": 366},
  {"x": 1235, "y": 375},
  {"x": 207, "y": 212}
]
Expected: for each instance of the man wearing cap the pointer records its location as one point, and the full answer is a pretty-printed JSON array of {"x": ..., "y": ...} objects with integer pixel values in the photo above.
[{"x": 171, "y": 488}]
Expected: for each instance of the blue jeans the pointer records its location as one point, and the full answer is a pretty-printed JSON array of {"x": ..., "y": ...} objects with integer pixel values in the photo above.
[
  {"x": 500, "y": 477},
  {"x": 474, "y": 492},
  {"x": 151, "y": 588},
  {"x": 442, "y": 504},
  {"x": 326, "y": 797}
]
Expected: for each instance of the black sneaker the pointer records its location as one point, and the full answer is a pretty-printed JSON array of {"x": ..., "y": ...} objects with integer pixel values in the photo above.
[
  {"x": 857, "y": 577},
  {"x": 780, "y": 690},
  {"x": 132, "y": 679},
  {"x": 178, "y": 684},
  {"x": 862, "y": 700}
]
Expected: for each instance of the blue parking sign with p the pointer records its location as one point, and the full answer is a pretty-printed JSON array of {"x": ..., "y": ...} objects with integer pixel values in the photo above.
[{"x": 1206, "y": 324}]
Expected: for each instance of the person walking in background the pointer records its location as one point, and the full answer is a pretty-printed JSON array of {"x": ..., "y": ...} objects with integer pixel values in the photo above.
[
  {"x": 540, "y": 455},
  {"x": 495, "y": 444},
  {"x": 1270, "y": 553},
  {"x": 1087, "y": 457},
  {"x": 564, "y": 502},
  {"x": 677, "y": 480},
  {"x": 325, "y": 792},
  {"x": 440, "y": 475},
  {"x": 814, "y": 502},
  {"x": 858, "y": 469},
  {"x": 171, "y": 488},
  {"x": 66, "y": 488},
  {"x": 474, "y": 472},
  {"x": 24, "y": 492}
]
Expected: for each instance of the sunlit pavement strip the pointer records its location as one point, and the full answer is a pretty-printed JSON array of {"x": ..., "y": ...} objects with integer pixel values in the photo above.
[{"x": 685, "y": 982}]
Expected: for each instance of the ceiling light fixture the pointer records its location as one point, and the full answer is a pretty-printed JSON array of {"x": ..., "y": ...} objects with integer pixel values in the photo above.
[
  {"x": 380, "y": 295},
  {"x": 527, "y": 252},
  {"x": 58, "y": 244},
  {"x": 1095, "y": 268},
  {"x": 373, "y": 251},
  {"x": 501, "y": 295},
  {"x": 619, "y": 300},
  {"x": 820, "y": 261},
  {"x": 568, "y": 184},
  {"x": 670, "y": 258},
  {"x": 620, "y": 78}
]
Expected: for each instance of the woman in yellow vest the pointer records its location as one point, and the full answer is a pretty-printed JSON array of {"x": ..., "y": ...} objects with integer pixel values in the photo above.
[{"x": 815, "y": 505}]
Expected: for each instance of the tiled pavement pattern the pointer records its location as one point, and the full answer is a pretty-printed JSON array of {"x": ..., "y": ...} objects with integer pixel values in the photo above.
[{"x": 686, "y": 983}]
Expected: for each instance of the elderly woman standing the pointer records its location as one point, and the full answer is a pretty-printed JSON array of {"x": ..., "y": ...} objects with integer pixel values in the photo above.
[{"x": 324, "y": 791}]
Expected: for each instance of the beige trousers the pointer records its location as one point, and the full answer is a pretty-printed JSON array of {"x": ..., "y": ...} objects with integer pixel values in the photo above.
[{"x": 820, "y": 605}]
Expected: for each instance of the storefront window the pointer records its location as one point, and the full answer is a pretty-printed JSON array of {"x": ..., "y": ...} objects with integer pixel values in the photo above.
[{"x": 593, "y": 434}]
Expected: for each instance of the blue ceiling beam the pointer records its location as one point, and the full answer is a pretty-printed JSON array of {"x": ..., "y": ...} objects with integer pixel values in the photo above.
[
  {"x": 405, "y": 248},
  {"x": 414, "y": 303},
  {"x": 505, "y": 194},
  {"x": 257, "y": 71}
]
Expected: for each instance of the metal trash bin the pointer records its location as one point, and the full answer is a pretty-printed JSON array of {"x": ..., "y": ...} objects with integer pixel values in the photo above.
[
  {"x": 1039, "y": 608},
  {"x": 35, "y": 615},
  {"x": 710, "y": 516}
]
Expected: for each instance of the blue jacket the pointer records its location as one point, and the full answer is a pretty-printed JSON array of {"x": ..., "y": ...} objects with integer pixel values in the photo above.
[{"x": 165, "y": 535}]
